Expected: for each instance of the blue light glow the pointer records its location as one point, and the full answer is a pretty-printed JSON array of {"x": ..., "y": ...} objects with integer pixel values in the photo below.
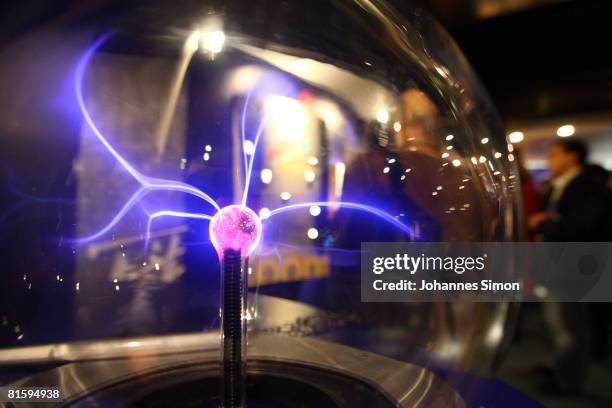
[
  {"x": 147, "y": 183},
  {"x": 150, "y": 184},
  {"x": 342, "y": 204},
  {"x": 171, "y": 213}
]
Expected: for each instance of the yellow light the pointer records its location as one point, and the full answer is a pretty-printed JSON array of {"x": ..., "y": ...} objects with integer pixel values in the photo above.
[
  {"x": 313, "y": 233},
  {"x": 382, "y": 115},
  {"x": 566, "y": 131},
  {"x": 516, "y": 137},
  {"x": 484, "y": 140},
  {"x": 264, "y": 213},
  {"x": 212, "y": 41},
  {"x": 449, "y": 138},
  {"x": 397, "y": 126},
  {"x": 288, "y": 117},
  {"x": 249, "y": 148},
  {"x": 456, "y": 163},
  {"x": 193, "y": 42},
  {"x": 339, "y": 171},
  {"x": 313, "y": 161},
  {"x": 482, "y": 159},
  {"x": 309, "y": 176},
  {"x": 266, "y": 176},
  {"x": 315, "y": 210}
]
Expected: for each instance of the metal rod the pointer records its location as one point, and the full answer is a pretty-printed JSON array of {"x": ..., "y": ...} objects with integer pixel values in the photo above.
[{"x": 233, "y": 329}]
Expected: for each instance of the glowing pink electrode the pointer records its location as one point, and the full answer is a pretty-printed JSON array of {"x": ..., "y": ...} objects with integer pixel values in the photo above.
[{"x": 235, "y": 227}]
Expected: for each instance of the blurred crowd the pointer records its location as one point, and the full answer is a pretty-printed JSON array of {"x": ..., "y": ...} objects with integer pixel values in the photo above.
[{"x": 572, "y": 205}]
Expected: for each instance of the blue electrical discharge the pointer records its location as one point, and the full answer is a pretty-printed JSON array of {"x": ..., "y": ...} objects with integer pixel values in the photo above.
[{"x": 150, "y": 184}]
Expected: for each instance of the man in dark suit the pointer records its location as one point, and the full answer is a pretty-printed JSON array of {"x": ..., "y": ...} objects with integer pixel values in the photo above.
[
  {"x": 576, "y": 206},
  {"x": 575, "y": 202}
]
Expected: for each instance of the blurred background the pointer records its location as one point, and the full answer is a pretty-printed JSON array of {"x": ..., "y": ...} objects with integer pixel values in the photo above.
[{"x": 547, "y": 67}]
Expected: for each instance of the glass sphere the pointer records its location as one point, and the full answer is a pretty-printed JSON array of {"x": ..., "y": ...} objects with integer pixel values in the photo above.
[
  {"x": 334, "y": 123},
  {"x": 235, "y": 227}
]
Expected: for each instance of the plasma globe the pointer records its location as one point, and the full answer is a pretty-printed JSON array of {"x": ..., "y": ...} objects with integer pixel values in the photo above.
[{"x": 234, "y": 227}]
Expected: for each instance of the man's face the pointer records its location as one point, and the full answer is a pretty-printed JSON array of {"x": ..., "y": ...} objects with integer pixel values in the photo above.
[{"x": 560, "y": 160}]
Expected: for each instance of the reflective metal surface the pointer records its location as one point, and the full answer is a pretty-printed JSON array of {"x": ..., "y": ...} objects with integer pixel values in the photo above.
[{"x": 407, "y": 385}]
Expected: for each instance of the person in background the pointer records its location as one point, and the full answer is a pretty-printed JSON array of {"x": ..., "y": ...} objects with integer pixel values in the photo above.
[
  {"x": 531, "y": 200},
  {"x": 576, "y": 204}
]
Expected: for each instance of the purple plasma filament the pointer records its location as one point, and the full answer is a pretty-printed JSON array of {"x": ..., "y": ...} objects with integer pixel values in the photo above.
[{"x": 235, "y": 227}]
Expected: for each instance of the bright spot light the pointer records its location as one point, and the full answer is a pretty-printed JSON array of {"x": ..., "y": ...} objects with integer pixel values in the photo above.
[
  {"x": 212, "y": 41},
  {"x": 566, "y": 131},
  {"x": 445, "y": 155},
  {"x": 313, "y": 161},
  {"x": 510, "y": 157},
  {"x": 206, "y": 156},
  {"x": 288, "y": 117},
  {"x": 449, "y": 138},
  {"x": 516, "y": 137},
  {"x": 497, "y": 155},
  {"x": 382, "y": 115},
  {"x": 315, "y": 210},
  {"x": 482, "y": 159},
  {"x": 193, "y": 42},
  {"x": 208, "y": 148},
  {"x": 456, "y": 162},
  {"x": 249, "y": 148},
  {"x": 449, "y": 147},
  {"x": 510, "y": 147},
  {"x": 386, "y": 170},
  {"x": 484, "y": 140},
  {"x": 474, "y": 161},
  {"x": 285, "y": 195},
  {"x": 116, "y": 287},
  {"x": 495, "y": 334},
  {"x": 313, "y": 233},
  {"x": 266, "y": 176},
  {"x": 339, "y": 171},
  {"x": 397, "y": 126},
  {"x": 309, "y": 176},
  {"x": 264, "y": 213}
]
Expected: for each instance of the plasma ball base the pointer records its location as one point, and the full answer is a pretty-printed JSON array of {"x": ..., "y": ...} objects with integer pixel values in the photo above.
[{"x": 233, "y": 326}]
